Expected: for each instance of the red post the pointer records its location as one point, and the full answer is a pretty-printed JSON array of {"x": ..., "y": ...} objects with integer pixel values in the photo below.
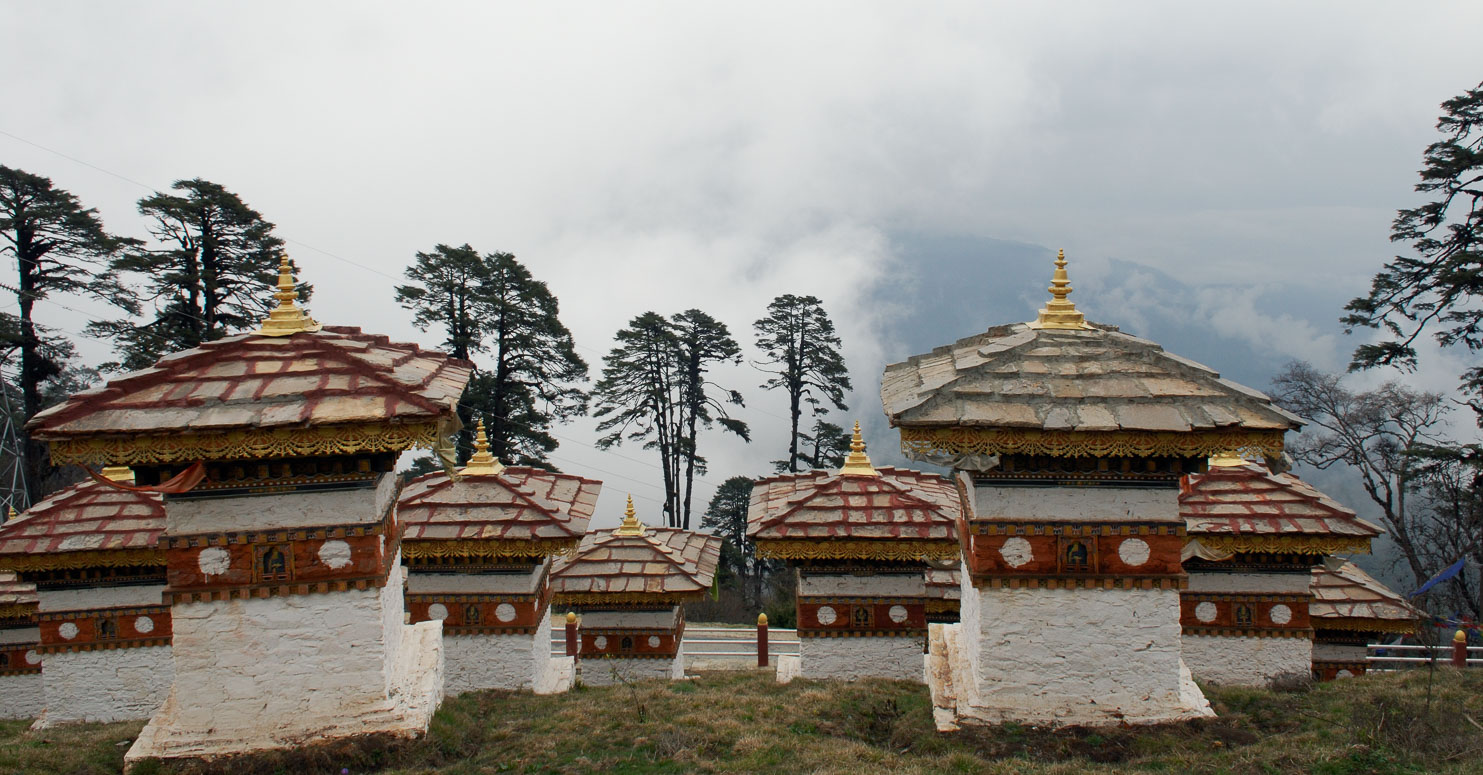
[
  {"x": 1460, "y": 649},
  {"x": 571, "y": 634},
  {"x": 762, "y": 640}
]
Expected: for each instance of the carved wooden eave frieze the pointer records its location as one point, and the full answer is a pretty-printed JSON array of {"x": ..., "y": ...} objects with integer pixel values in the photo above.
[
  {"x": 248, "y": 444},
  {"x": 886, "y": 550},
  {"x": 116, "y": 558},
  {"x": 425, "y": 552},
  {"x": 1317, "y": 545},
  {"x": 1346, "y": 624},
  {"x": 924, "y": 443}
]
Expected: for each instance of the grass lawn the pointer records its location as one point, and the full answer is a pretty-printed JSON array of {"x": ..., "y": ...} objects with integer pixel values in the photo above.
[{"x": 743, "y": 722}]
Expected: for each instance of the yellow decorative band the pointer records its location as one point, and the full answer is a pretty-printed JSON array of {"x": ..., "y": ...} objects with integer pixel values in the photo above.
[
  {"x": 905, "y": 550},
  {"x": 959, "y": 440},
  {"x": 1359, "y": 624},
  {"x": 1283, "y": 544},
  {"x": 254, "y": 443},
  {"x": 625, "y": 598},
  {"x": 981, "y": 526},
  {"x": 22, "y": 611},
  {"x": 417, "y": 549},
  {"x": 102, "y": 645},
  {"x": 942, "y": 606},
  {"x": 119, "y": 558},
  {"x": 903, "y": 633}
]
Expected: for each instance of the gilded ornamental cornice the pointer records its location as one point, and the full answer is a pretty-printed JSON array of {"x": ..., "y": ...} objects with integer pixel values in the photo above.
[
  {"x": 1283, "y": 544},
  {"x": 894, "y": 550},
  {"x": 252, "y": 443},
  {"x": 1359, "y": 624},
  {"x": 625, "y": 598},
  {"x": 417, "y": 549},
  {"x": 102, "y": 558},
  {"x": 957, "y": 440}
]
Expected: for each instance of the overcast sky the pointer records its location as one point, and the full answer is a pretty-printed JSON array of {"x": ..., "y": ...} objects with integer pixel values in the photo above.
[{"x": 669, "y": 156}]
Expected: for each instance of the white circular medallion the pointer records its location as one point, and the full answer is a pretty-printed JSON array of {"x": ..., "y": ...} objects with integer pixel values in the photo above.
[
  {"x": 1206, "y": 612},
  {"x": 600, "y": 642},
  {"x": 826, "y": 615},
  {"x": 335, "y": 554},
  {"x": 214, "y": 561},
  {"x": 32, "y": 657},
  {"x": 144, "y": 624},
  {"x": 653, "y": 641},
  {"x": 504, "y": 612},
  {"x": 1343, "y": 674},
  {"x": 897, "y": 613},
  {"x": 68, "y": 630},
  {"x": 1280, "y": 614},
  {"x": 1133, "y": 551},
  {"x": 1016, "y": 552},
  {"x": 438, "y": 611}
]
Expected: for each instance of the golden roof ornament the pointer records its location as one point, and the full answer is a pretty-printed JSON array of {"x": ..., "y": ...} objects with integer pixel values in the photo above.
[
  {"x": 482, "y": 463},
  {"x": 1229, "y": 459},
  {"x": 858, "y": 463},
  {"x": 1059, "y": 313},
  {"x": 121, "y": 474},
  {"x": 631, "y": 525},
  {"x": 287, "y": 318}
]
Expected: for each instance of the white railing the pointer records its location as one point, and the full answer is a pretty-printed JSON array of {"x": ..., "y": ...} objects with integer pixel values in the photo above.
[
  {"x": 1382, "y": 657},
  {"x": 704, "y": 643}
]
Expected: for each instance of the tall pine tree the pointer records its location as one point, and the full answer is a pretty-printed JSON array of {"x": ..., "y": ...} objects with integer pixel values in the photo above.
[
  {"x": 654, "y": 389},
  {"x": 803, "y": 356},
  {"x": 494, "y": 312},
  {"x": 59, "y": 248},
  {"x": 212, "y": 273}
]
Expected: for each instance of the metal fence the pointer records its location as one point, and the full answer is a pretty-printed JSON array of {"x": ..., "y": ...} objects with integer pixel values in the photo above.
[
  {"x": 1403, "y": 656},
  {"x": 720, "y": 643}
]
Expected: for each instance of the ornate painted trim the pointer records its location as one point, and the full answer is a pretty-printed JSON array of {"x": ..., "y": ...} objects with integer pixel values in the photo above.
[
  {"x": 251, "y": 443},
  {"x": 87, "y": 632},
  {"x": 942, "y": 606},
  {"x": 98, "y": 558},
  {"x": 917, "y": 441},
  {"x": 19, "y": 613},
  {"x": 1075, "y": 529},
  {"x": 20, "y": 659},
  {"x": 1084, "y": 582},
  {"x": 419, "y": 549},
  {"x": 1248, "y": 632},
  {"x": 635, "y": 599},
  {"x": 893, "y": 550},
  {"x": 202, "y": 540},
  {"x": 1284, "y": 544},
  {"x": 1360, "y": 624}
]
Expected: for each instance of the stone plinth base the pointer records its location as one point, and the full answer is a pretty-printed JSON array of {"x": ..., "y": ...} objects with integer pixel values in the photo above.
[
  {"x": 21, "y": 696},
  {"x": 608, "y": 671},
  {"x": 789, "y": 667},
  {"x": 415, "y": 690},
  {"x": 559, "y": 678},
  {"x": 1070, "y": 657},
  {"x": 1246, "y": 661},
  {"x": 104, "y": 685},
  {"x": 899, "y": 658},
  {"x": 476, "y": 662}
]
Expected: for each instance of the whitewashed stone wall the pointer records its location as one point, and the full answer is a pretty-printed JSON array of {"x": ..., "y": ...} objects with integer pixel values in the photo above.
[
  {"x": 846, "y": 585},
  {"x": 1071, "y": 504},
  {"x": 1251, "y": 583},
  {"x": 498, "y": 661},
  {"x": 852, "y": 658},
  {"x": 288, "y": 510},
  {"x": 1073, "y": 656},
  {"x": 87, "y": 598},
  {"x": 107, "y": 685},
  {"x": 21, "y": 696},
  {"x": 1339, "y": 652},
  {"x": 1243, "y": 661},
  {"x": 608, "y": 671}
]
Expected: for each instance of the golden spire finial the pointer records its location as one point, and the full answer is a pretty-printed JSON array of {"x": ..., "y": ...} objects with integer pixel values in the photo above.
[
  {"x": 287, "y": 318},
  {"x": 631, "y": 525},
  {"x": 858, "y": 463},
  {"x": 122, "y": 474},
  {"x": 1060, "y": 313},
  {"x": 1229, "y": 459},
  {"x": 482, "y": 463}
]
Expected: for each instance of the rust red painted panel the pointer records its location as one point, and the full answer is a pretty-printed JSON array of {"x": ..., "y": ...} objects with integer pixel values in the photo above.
[{"x": 84, "y": 630}]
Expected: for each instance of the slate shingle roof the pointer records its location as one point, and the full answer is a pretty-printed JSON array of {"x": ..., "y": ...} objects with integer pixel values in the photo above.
[
  {"x": 519, "y": 503},
  {"x": 1099, "y": 379},
  {"x": 86, "y": 517},
  {"x": 661, "y": 562},
  {"x": 897, "y": 504},
  {"x": 1342, "y": 591},
  {"x": 944, "y": 584},
  {"x": 1251, "y": 500},
  {"x": 336, "y": 375},
  {"x": 14, "y": 592}
]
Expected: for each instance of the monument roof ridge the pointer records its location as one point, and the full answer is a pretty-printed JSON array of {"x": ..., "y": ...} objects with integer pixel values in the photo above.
[
  {"x": 1342, "y": 590},
  {"x": 896, "y": 503},
  {"x": 1251, "y": 500},
  {"x": 90, "y": 517},
  {"x": 521, "y": 502},
  {"x": 662, "y": 561},
  {"x": 13, "y": 591}
]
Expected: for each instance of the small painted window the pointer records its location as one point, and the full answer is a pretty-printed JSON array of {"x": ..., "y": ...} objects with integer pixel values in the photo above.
[
  {"x": 863, "y": 617},
  {"x": 472, "y": 614},
  {"x": 1243, "y": 615},
  {"x": 107, "y": 629},
  {"x": 1077, "y": 557},
  {"x": 626, "y": 644},
  {"x": 273, "y": 565}
]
